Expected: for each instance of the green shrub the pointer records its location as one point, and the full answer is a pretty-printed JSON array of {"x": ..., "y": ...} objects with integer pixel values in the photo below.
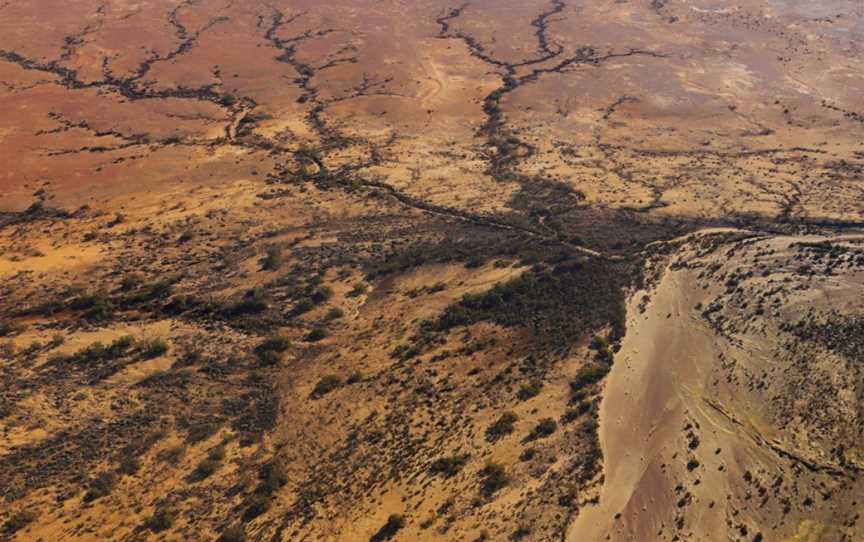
[
  {"x": 303, "y": 306},
  {"x": 603, "y": 348},
  {"x": 572, "y": 414},
  {"x": 270, "y": 351},
  {"x": 335, "y": 313}
]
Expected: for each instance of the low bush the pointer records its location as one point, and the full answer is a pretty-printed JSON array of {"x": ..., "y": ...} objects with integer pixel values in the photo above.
[
  {"x": 233, "y": 534},
  {"x": 327, "y": 384},
  {"x": 450, "y": 465},
  {"x": 493, "y": 478},
  {"x": 100, "y": 486},
  {"x": 501, "y": 427},
  {"x": 256, "y": 505},
  {"x": 588, "y": 376},
  {"x": 527, "y": 391},
  {"x": 161, "y": 520},
  {"x": 543, "y": 429},
  {"x": 19, "y": 521},
  {"x": 395, "y": 523},
  {"x": 317, "y": 334},
  {"x": 153, "y": 348}
]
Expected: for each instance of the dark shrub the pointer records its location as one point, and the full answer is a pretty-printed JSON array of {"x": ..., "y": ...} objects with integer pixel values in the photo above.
[
  {"x": 273, "y": 476},
  {"x": 161, "y": 520},
  {"x": 394, "y": 524},
  {"x": 18, "y": 521},
  {"x": 257, "y": 504},
  {"x": 493, "y": 478},
  {"x": 273, "y": 260},
  {"x": 100, "y": 486},
  {"x": 588, "y": 376},
  {"x": 326, "y": 385},
  {"x": 154, "y": 348},
  {"x": 501, "y": 427},
  {"x": 450, "y": 465},
  {"x": 206, "y": 468},
  {"x": 317, "y": 334},
  {"x": 527, "y": 391},
  {"x": 322, "y": 294},
  {"x": 543, "y": 429},
  {"x": 233, "y": 534}
]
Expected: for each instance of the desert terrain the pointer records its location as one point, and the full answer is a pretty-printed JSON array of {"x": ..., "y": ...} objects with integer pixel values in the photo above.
[{"x": 427, "y": 270}]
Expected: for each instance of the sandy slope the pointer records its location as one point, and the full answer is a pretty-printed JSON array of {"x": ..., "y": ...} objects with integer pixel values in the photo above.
[{"x": 682, "y": 443}]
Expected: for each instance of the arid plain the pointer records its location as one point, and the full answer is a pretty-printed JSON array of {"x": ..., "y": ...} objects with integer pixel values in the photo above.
[{"x": 419, "y": 270}]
